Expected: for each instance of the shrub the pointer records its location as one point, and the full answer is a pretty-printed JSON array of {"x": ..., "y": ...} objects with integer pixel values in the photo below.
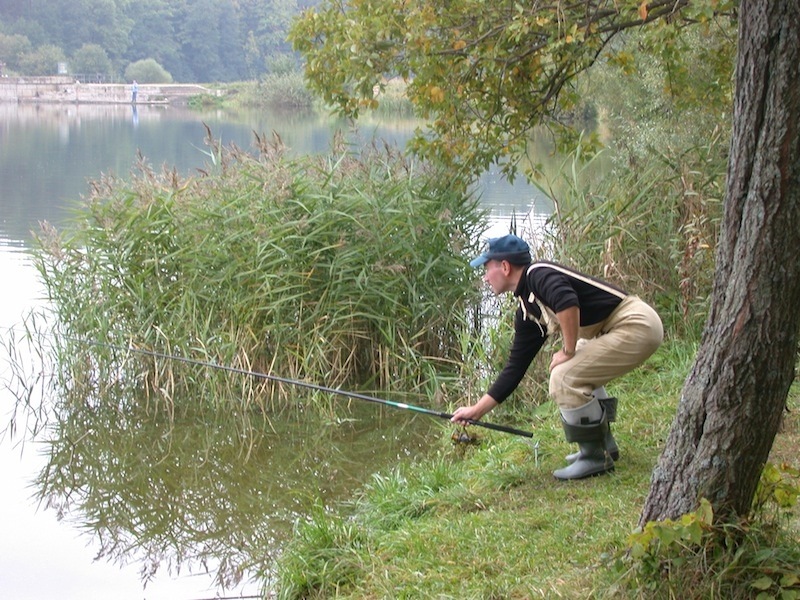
[
  {"x": 91, "y": 59},
  {"x": 284, "y": 90},
  {"x": 693, "y": 557},
  {"x": 42, "y": 61},
  {"x": 12, "y": 49},
  {"x": 147, "y": 71}
]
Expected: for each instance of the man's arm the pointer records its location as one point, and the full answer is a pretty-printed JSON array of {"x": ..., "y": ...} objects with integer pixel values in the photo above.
[{"x": 569, "y": 321}]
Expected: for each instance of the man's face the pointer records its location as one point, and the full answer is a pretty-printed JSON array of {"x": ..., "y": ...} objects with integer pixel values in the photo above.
[{"x": 496, "y": 274}]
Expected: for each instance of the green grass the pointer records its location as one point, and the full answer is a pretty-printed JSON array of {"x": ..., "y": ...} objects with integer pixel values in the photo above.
[{"x": 490, "y": 521}]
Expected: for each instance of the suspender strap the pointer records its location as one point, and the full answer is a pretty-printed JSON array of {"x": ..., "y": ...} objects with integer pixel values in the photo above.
[{"x": 581, "y": 277}]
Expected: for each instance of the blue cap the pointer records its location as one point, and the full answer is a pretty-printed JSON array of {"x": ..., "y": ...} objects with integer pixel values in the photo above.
[{"x": 509, "y": 247}]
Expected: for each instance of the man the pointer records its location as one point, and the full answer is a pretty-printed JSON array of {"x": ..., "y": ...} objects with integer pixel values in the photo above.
[{"x": 605, "y": 333}]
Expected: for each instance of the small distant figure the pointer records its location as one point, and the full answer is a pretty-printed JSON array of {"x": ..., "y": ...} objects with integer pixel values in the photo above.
[{"x": 134, "y": 91}]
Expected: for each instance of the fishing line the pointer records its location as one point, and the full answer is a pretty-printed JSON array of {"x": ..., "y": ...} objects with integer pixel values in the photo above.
[{"x": 305, "y": 384}]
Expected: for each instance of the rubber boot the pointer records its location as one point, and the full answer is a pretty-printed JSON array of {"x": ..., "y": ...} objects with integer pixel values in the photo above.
[
  {"x": 609, "y": 404},
  {"x": 588, "y": 427}
]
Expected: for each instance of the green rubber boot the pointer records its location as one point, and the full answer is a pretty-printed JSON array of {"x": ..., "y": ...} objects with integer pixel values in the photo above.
[{"x": 584, "y": 426}]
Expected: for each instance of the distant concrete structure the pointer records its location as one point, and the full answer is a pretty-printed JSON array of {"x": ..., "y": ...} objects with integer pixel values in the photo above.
[{"x": 65, "y": 89}]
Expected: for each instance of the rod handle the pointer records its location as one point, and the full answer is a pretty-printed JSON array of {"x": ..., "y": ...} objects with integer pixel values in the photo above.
[
  {"x": 503, "y": 428},
  {"x": 496, "y": 427}
]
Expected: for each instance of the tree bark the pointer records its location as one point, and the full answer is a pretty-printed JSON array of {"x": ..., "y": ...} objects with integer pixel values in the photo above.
[{"x": 732, "y": 401}]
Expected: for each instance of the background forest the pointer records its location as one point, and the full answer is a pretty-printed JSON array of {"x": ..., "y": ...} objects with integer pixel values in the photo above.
[{"x": 188, "y": 40}]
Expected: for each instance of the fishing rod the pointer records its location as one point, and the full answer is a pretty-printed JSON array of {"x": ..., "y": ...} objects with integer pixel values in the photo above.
[{"x": 311, "y": 386}]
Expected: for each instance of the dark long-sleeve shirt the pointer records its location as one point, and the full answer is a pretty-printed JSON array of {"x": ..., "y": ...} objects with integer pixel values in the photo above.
[{"x": 545, "y": 289}]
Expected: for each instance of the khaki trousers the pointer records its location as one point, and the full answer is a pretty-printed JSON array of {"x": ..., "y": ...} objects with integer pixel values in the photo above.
[{"x": 606, "y": 350}]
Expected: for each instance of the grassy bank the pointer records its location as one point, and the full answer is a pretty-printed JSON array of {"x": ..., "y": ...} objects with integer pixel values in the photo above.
[
  {"x": 289, "y": 91},
  {"x": 490, "y": 521}
]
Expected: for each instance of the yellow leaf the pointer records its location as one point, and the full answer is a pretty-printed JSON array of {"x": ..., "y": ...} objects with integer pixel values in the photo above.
[
  {"x": 643, "y": 10},
  {"x": 459, "y": 45},
  {"x": 705, "y": 512}
]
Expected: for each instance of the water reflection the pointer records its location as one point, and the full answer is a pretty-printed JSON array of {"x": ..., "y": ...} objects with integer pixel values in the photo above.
[
  {"x": 174, "y": 479},
  {"x": 50, "y": 152}
]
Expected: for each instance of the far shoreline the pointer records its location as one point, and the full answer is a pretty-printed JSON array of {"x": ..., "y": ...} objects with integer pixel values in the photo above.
[{"x": 66, "y": 90}]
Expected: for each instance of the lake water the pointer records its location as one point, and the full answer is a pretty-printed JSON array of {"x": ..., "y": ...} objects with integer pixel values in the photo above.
[{"x": 47, "y": 155}]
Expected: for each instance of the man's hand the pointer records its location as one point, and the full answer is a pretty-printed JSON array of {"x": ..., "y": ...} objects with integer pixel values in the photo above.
[
  {"x": 560, "y": 357},
  {"x": 474, "y": 412},
  {"x": 569, "y": 321}
]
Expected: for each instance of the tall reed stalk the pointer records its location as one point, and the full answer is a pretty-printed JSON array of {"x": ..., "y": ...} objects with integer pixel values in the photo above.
[{"x": 651, "y": 228}]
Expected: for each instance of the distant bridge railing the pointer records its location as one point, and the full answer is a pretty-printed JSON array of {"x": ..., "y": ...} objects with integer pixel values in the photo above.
[{"x": 96, "y": 78}]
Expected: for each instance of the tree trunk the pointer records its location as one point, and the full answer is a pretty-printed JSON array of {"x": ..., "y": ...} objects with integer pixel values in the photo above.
[{"x": 732, "y": 401}]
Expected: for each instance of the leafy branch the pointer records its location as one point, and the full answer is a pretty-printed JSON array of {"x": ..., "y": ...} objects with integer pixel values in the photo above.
[{"x": 483, "y": 75}]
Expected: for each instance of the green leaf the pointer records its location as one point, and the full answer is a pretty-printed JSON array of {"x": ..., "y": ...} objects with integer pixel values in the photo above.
[{"x": 762, "y": 583}]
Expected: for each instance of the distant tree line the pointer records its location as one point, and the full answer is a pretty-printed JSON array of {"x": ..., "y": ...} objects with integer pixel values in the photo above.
[{"x": 181, "y": 40}]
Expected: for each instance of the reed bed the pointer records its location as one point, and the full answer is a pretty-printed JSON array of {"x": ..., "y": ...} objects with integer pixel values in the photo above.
[
  {"x": 346, "y": 269},
  {"x": 651, "y": 229}
]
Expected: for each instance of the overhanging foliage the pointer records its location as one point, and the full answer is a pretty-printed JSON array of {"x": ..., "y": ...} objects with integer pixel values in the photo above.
[{"x": 483, "y": 74}]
